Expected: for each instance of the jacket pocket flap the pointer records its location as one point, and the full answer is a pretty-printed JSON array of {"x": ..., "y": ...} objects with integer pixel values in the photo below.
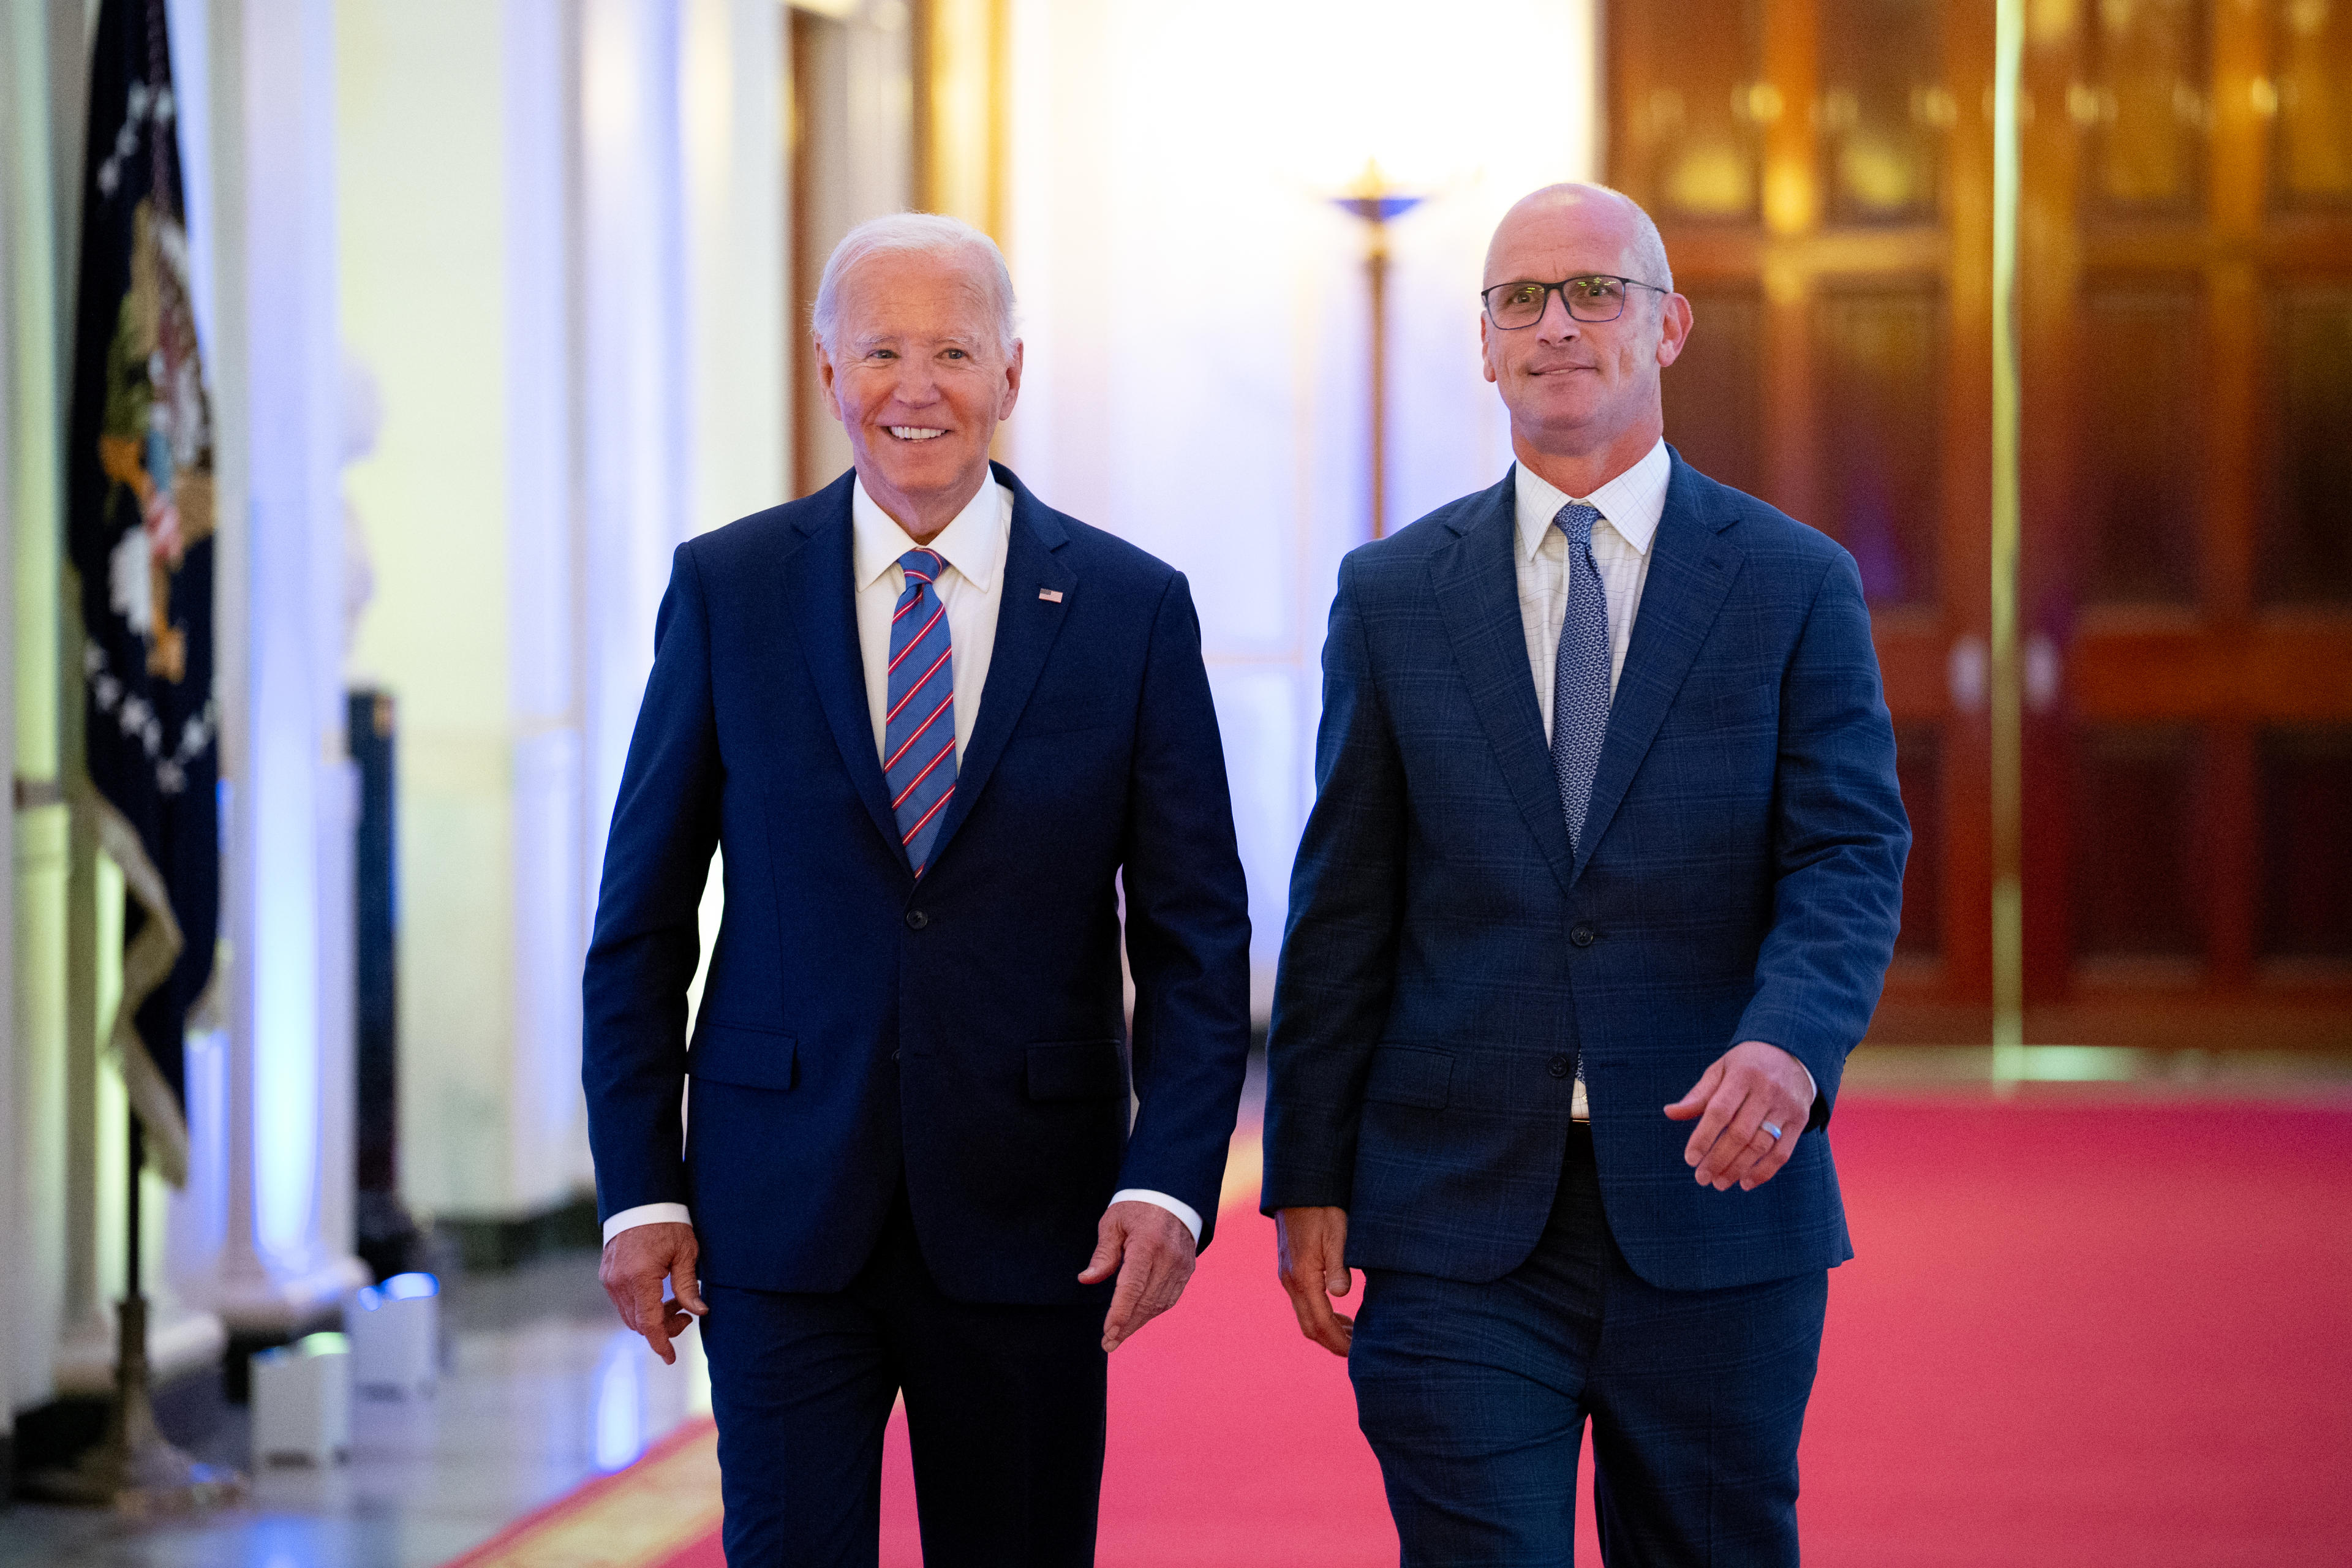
[
  {"x": 1078, "y": 1070},
  {"x": 755, "y": 1058},
  {"x": 1410, "y": 1075}
]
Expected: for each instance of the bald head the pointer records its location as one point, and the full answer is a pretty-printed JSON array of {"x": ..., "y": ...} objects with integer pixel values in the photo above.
[
  {"x": 1584, "y": 394},
  {"x": 1590, "y": 210}
]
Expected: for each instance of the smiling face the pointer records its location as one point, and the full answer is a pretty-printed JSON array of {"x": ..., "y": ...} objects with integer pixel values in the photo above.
[
  {"x": 918, "y": 380},
  {"x": 1583, "y": 392}
]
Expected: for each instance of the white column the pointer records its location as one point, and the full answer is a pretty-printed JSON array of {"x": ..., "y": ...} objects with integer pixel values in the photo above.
[
  {"x": 732, "y": 99},
  {"x": 51, "y": 1269},
  {"x": 19, "y": 1311},
  {"x": 278, "y": 410},
  {"x": 634, "y": 327},
  {"x": 547, "y": 1152},
  {"x": 685, "y": 418}
]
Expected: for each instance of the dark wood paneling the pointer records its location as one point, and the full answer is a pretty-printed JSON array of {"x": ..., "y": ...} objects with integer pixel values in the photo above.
[
  {"x": 2306, "y": 538},
  {"x": 1878, "y": 365},
  {"x": 2137, "y": 452},
  {"x": 2312, "y": 159},
  {"x": 2306, "y": 843},
  {"x": 1884, "y": 109},
  {"x": 2185, "y": 305},
  {"x": 1691, "y": 109},
  {"x": 2145, "y": 104},
  {"x": 2135, "y": 891},
  {"x": 1914, "y": 662},
  {"x": 2164, "y": 665},
  {"x": 1713, "y": 393},
  {"x": 1919, "y": 769}
]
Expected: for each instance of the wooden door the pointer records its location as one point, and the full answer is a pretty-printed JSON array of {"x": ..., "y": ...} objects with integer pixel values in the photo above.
[
  {"x": 2186, "y": 289},
  {"x": 1825, "y": 204},
  {"x": 1822, "y": 171}
]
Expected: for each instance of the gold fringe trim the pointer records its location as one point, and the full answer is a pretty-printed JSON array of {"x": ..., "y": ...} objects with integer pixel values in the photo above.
[{"x": 147, "y": 962}]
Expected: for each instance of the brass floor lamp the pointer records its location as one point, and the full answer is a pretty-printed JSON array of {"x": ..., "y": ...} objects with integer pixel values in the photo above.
[{"x": 1372, "y": 199}]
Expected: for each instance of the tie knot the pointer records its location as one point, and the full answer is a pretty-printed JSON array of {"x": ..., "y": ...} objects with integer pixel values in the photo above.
[
  {"x": 922, "y": 565},
  {"x": 1576, "y": 520}
]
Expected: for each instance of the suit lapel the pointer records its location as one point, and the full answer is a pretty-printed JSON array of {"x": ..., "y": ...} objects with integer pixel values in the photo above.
[
  {"x": 820, "y": 601},
  {"x": 1691, "y": 569},
  {"x": 1476, "y": 583},
  {"x": 1026, "y": 625}
]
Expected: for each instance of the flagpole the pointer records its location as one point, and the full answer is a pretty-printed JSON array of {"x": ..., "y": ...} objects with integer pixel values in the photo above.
[{"x": 135, "y": 1469}]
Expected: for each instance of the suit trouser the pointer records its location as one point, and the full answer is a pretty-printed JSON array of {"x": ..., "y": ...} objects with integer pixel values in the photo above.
[
  {"x": 1004, "y": 1415},
  {"x": 1474, "y": 1397}
]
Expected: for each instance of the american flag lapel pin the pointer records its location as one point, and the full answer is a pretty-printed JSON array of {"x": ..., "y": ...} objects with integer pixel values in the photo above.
[{"x": 1051, "y": 596}]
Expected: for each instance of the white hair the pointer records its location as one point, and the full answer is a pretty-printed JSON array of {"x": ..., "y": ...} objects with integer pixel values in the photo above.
[{"x": 918, "y": 233}]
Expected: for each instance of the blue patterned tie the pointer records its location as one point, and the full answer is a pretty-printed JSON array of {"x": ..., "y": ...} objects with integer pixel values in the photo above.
[
  {"x": 919, "y": 736},
  {"x": 1579, "y": 681},
  {"x": 1579, "y": 676}
]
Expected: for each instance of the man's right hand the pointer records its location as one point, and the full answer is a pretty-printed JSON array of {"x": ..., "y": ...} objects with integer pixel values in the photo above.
[
  {"x": 1310, "y": 1247},
  {"x": 636, "y": 1263}
]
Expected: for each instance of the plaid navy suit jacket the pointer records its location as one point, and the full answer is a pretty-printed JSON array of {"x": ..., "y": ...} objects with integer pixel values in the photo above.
[{"x": 1740, "y": 878}]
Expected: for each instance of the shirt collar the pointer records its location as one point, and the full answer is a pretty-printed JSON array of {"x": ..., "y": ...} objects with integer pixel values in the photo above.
[
  {"x": 974, "y": 544},
  {"x": 1632, "y": 503}
]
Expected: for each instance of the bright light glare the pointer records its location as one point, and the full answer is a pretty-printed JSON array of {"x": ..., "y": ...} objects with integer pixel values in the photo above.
[{"x": 620, "y": 1415}]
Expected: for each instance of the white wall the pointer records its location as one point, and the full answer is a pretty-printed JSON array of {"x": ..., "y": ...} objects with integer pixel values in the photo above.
[
  {"x": 1194, "y": 308},
  {"x": 426, "y": 149},
  {"x": 563, "y": 250}
]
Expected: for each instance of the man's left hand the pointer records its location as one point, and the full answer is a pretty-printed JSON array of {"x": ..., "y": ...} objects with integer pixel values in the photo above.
[
  {"x": 1750, "y": 1084},
  {"x": 1152, "y": 1251}
]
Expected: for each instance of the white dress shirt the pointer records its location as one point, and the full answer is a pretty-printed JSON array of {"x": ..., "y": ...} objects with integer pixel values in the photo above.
[
  {"x": 1631, "y": 506},
  {"x": 971, "y": 589}
]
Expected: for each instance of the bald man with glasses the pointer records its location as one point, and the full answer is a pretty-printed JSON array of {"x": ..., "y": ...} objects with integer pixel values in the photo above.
[{"x": 1598, "y": 892}]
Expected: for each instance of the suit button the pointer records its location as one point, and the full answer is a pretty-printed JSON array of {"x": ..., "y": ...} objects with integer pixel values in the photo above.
[
  {"x": 1561, "y": 1067},
  {"x": 917, "y": 920},
  {"x": 893, "y": 1056},
  {"x": 1583, "y": 935}
]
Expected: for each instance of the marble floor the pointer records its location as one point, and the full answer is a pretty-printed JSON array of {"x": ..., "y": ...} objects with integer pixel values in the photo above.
[{"x": 542, "y": 1390}]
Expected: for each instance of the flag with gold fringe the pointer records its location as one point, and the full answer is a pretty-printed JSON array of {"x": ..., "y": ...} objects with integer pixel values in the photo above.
[{"x": 140, "y": 537}]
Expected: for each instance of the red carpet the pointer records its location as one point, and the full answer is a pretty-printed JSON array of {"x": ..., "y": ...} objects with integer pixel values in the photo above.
[{"x": 2081, "y": 1334}]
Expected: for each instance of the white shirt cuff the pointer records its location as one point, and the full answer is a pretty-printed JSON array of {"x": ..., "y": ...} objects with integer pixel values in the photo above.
[
  {"x": 1176, "y": 1207},
  {"x": 646, "y": 1214}
]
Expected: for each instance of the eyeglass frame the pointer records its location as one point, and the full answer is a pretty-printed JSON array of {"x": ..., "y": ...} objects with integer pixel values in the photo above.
[{"x": 1560, "y": 288}]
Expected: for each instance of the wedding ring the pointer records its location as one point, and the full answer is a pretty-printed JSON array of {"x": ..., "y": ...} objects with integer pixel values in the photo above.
[{"x": 1774, "y": 1130}]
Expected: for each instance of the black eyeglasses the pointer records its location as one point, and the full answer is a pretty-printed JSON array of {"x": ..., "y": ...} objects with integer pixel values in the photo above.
[{"x": 1595, "y": 297}]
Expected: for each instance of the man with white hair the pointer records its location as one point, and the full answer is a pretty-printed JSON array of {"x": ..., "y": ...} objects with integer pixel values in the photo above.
[{"x": 951, "y": 743}]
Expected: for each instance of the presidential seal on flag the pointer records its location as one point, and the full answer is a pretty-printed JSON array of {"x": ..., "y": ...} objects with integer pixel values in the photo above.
[{"x": 140, "y": 515}]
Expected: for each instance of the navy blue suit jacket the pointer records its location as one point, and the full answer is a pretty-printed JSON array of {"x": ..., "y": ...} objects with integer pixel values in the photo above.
[
  {"x": 1739, "y": 878},
  {"x": 964, "y": 1031}
]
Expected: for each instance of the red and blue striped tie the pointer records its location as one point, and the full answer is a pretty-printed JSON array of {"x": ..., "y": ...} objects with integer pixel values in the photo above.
[{"x": 918, "y": 737}]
